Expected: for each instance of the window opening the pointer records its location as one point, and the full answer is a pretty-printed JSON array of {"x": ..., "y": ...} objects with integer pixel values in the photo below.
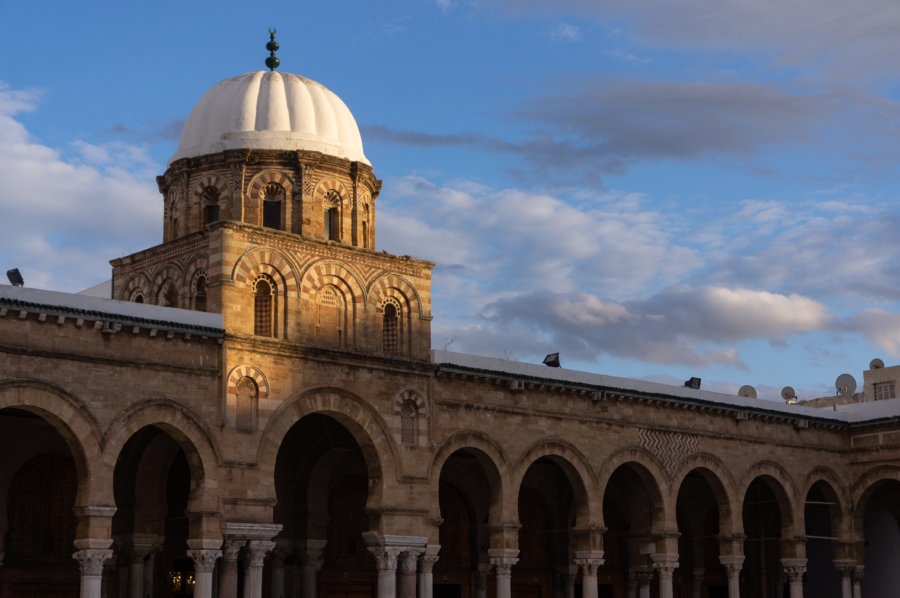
[
  {"x": 200, "y": 297},
  {"x": 211, "y": 199},
  {"x": 263, "y": 303},
  {"x": 408, "y": 416},
  {"x": 390, "y": 329},
  {"x": 272, "y": 206},
  {"x": 170, "y": 296},
  {"x": 245, "y": 392},
  {"x": 884, "y": 390}
]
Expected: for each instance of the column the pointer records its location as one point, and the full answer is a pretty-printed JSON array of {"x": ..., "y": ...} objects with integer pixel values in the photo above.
[
  {"x": 311, "y": 559},
  {"x": 665, "y": 565},
  {"x": 148, "y": 572},
  {"x": 90, "y": 560},
  {"x": 276, "y": 585},
  {"x": 228, "y": 572},
  {"x": 845, "y": 568},
  {"x": 858, "y": 575},
  {"x": 204, "y": 565},
  {"x": 569, "y": 576},
  {"x": 136, "y": 555},
  {"x": 408, "y": 567},
  {"x": 697, "y": 587},
  {"x": 426, "y": 564},
  {"x": 589, "y": 561},
  {"x": 1, "y": 558},
  {"x": 733, "y": 564},
  {"x": 481, "y": 576},
  {"x": 386, "y": 563},
  {"x": 253, "y": 569},
  {"x": 794, "y": 570},
  {"x": 502, "y": 560},
  {"x": 644, "y": 578}
]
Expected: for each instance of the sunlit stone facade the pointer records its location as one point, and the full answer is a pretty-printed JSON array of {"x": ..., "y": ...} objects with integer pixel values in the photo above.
[{"x": 257, "y": 412}]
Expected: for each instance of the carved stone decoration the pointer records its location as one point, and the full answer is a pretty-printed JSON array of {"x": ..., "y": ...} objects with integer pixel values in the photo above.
[
  {"x": 257, "y": 550},
  {"x": 408, "y": 561},
  {"x": 91, "y": 561},
  {"x": 385, "y": 557},
  {"x": 204, "y": 560},
  {"x": 589, "y": 567},
  {"x": 503, "y": 565},
  {"x": 426, "y": 562},
  {"x": 671, "y": 448},
  {"x": 232, "y": 549},
  {"x": 733, "y": 565},
  {"x": 794, "y": 569}
]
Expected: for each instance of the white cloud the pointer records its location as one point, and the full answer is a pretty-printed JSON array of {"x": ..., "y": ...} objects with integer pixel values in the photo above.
[
  {"x": 64, "y": 219},
  {"x": 565, "y": 32}
]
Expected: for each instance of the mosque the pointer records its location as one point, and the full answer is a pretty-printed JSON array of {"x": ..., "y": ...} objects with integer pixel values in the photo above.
[{"x": 254, "y": 409}]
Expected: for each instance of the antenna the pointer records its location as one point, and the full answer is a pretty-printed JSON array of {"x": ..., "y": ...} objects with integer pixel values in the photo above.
[
  {"x": 845, "y": 385},
  {"x": 789, "y": 395},
  {"x": 876, "y": 364},
  {"x": 747, "y": 391}
]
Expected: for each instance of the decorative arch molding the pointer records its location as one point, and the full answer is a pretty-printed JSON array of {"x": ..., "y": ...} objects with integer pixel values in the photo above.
[
  {"x": 504, "y": 506},
  {"x": 325, "y": 272},
  {"x": 862, "y": 488},
  {"x": 261, "y": 179},
  {"x": 257, "y": 261},
  {"x": 363, "y": 422},
  {"x": 208, "y": 180},
  {"x": 137, "y": 285},
  {"x": 396, "y": 286},
  {"x": 722, "y": 484},
  {"x": 198, "y": 266},
  {"x": 73, "y": 420},
  {"x": 838, "y": 488},
  {"x": 186, "y": 429},
  {"x": 650, "y": 470},
  {"x": 575, "y": 465},
  {"x": 325, "y": 186},
  {"x": 248, "y": 371},
  {"x": 170, "y": 272},
  {"x": 410, "y": 394},
  {"x": 788, "y": 491}
]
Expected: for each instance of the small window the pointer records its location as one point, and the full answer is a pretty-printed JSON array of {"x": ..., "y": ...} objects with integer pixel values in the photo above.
[
  {"x": 200, "y": 294},
  {"x": 365, "y": 235},
  {"x": 408, "y": 422},
  {"x": 263, "y": 304},
  {"x": 139, "y": 299},
  {"x": 212, "y": 214},
  {"x": 332, "y": 225},
  {"x": 884, "y": 390},
  {"x": 246, "y": 393},
  {"x": 272, "y": 203},
  {"x": 170, "y": 296},
  {"x": 211, "y": 208},
  {"x": 390, "y": 329}
]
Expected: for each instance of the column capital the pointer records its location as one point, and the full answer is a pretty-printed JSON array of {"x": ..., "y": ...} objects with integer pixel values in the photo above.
[
  {"x": 204, "y": 559},
  {"x": 732, "y": 564},
  {"x": 589, "y": 561},
  {"x": 643, "y": 576},
  {"x": 427, "y": 561},
  {"x": 408, "y": 560},
  {"x": 91, "y": 560},
  {"x": 503, "y": 559},
  {"x": 232, "y": 548},
  {"x": 385, "y": 557},
  {"x": 794, "y": 569},
  {"x": 859, "y": 573},
  {"x": 257, "y": 550},
  {"x": 845, "y": 566},
  {"x": 665, "y": 564}
]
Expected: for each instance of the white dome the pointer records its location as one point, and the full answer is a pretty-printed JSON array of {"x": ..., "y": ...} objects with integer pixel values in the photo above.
[{"x": 273, "y": 111}]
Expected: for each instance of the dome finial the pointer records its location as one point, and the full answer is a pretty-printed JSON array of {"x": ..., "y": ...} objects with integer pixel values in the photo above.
[{"x": 272, "y": 61}]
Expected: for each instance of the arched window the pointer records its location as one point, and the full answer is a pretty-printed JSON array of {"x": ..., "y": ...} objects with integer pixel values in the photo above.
[
  {"x": 330, "y": 307},
  {"x": 332, "y": 224},
  {"x": 273, "y": 200},
  {"x": 365, "y": 226},
  {"x": 264, "y": 307},
  {"x": 246, "y": 393},
  {"x": 409, "y": 415},
  {"x": 200, "y": 294},
  {"x": 210, "y": 204},
  {"x": 169, "y": 296},
  {"x": 390, "y": 331}
]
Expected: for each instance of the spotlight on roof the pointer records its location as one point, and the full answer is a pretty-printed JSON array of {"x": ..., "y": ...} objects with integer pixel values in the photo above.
[
  {"x": 552, "y": 360},
  {"x": 692, "y": 383},
  {"x": 15, "y": 277}
]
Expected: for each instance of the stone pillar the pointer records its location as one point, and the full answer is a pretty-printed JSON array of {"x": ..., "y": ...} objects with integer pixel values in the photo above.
[
  {"x": 697, "y": 587},
  {"x": 665, "y": 565},
  {"x": 311, "y": 559},
  {"x": 148, "y": 572},
  {"x": 481, "y": 576},
  {"x": 569, "y": 576},
  {"x": 228, "y": 572},
  {"x": 631, "y": 584},
  {"x": 407, "y": 566},
  {"x": 426, "y": 564},
  {"x": 502, "y": 560},
  {"x": 276, "y": 584},
  {"x": 386, "y": 563},
  {"x": 644, "y": 579},
  {"x": 858, "y": 575},
  {"x": 90, "y": 559},
  {"x": 845, "y": 568},
  {"x": 589, "y": 562},
  {"x": 794, "y": 570},
  {"x": 204, "y": 565},
  {"x": 136, "y": 556},
  {"x": 253, "y": 568},
  {"x": 733, "y": 564}
]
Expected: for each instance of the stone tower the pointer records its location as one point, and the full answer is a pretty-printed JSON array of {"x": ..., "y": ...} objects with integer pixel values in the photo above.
[{"x": 269, "y": 219}]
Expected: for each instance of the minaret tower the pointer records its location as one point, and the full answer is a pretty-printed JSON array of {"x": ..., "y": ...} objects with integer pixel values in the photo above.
[{"x": 269, "y": 219}]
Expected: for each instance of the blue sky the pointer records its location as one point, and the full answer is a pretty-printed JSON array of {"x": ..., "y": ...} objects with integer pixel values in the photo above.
[{"x": 654, "y": 189}]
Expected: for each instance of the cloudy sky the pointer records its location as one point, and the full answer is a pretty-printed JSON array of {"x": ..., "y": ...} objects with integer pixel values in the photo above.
[{"x": 654, "y": 189}]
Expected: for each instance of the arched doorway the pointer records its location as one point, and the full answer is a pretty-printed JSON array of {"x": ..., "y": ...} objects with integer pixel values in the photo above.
[
  {"x": 39, "y": 481},
  {"x": 697, "y": 511},
  {"x": 821, "y": 516},
  {"x": 881, "y": 525},
  {"x": 153, "y": 482},
  {"x": 322, "y": 485},
  {"x": 764, "y": 516}
]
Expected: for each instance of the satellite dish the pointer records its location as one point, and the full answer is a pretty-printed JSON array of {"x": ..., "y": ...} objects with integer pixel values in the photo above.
[
  {"x": 788, "y": 394},
  {"x": 845, "y": 385},
  {"x": 876, "y": 364},
  {"x": 747, "y": 391}
]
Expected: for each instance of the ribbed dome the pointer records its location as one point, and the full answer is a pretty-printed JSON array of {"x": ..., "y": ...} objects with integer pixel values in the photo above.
[{"x": 270, "y": 110}]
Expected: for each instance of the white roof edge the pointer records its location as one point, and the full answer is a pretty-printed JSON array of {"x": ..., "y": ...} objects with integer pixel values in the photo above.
[
  {"x": 858, "y": 412},
  {"x": 112, "y": 307}
]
